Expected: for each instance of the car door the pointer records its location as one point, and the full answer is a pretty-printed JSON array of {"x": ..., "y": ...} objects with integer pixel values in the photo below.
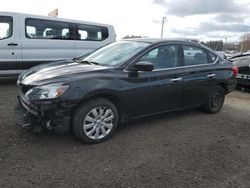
[
  {"x": 10, "y": 51},
  {"x": 158, "y": 90},
  {"x": 199, "y": 74}
]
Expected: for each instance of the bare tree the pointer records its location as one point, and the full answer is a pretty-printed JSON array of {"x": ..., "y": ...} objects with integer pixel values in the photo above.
[
  {"x": 132, "y": 36},
  {"x": 218, "y": 45},
  {"x": 214, "y": 44},
  {"x": 245, "y": 42}
]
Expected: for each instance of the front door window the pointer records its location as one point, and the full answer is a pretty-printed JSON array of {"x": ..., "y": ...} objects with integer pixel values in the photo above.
[{"x": 163, "y": 57}]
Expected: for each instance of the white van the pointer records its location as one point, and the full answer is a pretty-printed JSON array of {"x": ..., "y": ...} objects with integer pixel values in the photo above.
[{"x": 27, "y": 40}]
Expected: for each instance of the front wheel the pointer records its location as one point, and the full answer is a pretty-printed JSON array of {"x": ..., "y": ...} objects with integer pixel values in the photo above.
[
  {"x": 95, "y": 121},
  {"x": 215, "y": 100}
]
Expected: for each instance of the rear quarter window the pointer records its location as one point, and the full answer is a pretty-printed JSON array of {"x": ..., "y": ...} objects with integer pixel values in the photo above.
[{"x": 212, "y": 57}]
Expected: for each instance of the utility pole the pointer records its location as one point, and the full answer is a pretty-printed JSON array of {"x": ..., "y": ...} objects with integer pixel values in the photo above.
[
  {"x": 162, "y": 25},
  {"x": 225, "y": 43}
]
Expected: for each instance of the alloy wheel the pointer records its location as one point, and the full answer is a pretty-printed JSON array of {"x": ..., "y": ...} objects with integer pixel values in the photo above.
[{"x": 98, "y": 122}]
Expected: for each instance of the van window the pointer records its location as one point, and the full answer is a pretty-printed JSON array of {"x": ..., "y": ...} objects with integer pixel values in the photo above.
[
  {"x": 47, "y": 29},
  {"x": 31, "y": 31},
  {"x": 194, "y": 55},
  {"x": 91, "y": 32},
  {"x": 6, "y": 27},
  {"x": 82, "y": 34},
  {"x": 65, "y": 32}
]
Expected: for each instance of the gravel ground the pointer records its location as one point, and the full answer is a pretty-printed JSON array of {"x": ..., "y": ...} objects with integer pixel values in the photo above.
[{"x": 184, "y": 149}]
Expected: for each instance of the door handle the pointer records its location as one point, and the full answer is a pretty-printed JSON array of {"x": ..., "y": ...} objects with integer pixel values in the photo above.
[
  {"x": 211, "y": 75},
  {"x": 176, "y": 79},
  {"x": 12, "y": 44}
]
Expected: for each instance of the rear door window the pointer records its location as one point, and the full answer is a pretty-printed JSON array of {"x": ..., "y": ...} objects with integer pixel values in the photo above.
[
  {"x": 194, "y": 55},
  {"x": 6, "y": 27}
]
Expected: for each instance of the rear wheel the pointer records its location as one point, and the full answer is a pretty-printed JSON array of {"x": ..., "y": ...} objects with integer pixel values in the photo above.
[
  {"x": 95, "y": 121},
  {"x": 215, "y": 100}
]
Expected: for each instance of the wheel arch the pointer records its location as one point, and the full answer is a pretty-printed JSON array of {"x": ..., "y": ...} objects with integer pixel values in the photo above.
[
  {"x": 224, "y": 86},
  {"x": 108, "y": 96}
]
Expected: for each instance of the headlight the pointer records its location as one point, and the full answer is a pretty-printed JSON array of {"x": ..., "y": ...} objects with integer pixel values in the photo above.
[{"x": 46, "y": 92}]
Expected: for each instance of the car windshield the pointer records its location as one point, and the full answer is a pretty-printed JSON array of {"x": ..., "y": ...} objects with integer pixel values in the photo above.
[{"x": 116, "y": 53}]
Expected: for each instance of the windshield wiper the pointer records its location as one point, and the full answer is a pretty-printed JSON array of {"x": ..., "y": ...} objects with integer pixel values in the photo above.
[
  {"x": 76, "y": 58},
  {"x": 95, "y": 63},
  {"x": 85, "y": 62}
]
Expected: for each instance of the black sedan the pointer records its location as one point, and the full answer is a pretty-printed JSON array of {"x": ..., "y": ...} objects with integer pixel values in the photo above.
[{"x": 122, "y": 81}]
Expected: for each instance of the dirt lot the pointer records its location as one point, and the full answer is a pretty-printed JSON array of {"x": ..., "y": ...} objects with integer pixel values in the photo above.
[{"x": 184, "y": 149}]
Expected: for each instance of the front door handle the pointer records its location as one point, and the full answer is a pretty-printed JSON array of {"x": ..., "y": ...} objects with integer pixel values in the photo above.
[
  {"x": 12, "y": 44},
  {"x": 211, "y": 75},
  {"x": 176, "y": 79}
]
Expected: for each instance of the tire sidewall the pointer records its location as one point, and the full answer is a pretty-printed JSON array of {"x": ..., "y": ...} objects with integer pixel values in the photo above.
[{"x": 209, "y": 106}]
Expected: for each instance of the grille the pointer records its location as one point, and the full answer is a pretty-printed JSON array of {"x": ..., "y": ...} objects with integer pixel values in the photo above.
[
  {"x": 25, "y": 88},
  {"x": 244, "y": 70}
]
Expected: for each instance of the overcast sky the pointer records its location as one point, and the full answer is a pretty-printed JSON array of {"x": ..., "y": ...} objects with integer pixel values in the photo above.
[{"x": 202, "y": 19}]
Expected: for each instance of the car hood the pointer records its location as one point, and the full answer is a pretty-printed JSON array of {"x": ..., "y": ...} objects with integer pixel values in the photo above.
[
  {"x": 60, "y": 71},
  {"x": 241, "y": 64}
]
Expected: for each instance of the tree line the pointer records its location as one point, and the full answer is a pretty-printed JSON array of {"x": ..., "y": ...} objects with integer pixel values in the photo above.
[{"x": 219, "y": 45}]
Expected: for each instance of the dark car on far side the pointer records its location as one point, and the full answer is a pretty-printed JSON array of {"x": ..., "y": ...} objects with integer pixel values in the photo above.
[
  {"x": 122, "y": 81},
  {"x": 242, "y": 61}
]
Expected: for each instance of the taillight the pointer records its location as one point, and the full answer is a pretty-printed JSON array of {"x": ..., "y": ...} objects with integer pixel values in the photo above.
[{"x": 235, "y": 70}]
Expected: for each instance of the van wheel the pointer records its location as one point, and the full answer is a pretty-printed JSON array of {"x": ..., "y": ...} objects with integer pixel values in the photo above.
[
  {"x": 215, "y": 100},
  {"x": 95, "y": 121}
]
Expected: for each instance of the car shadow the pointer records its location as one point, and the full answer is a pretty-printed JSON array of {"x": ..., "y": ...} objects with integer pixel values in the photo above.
[
  {"x": 68, "y": 138},
  {"x": 8, "y": 81},
  {"x": 163, "y": 117},
  {"x": 243, "y": 88}
]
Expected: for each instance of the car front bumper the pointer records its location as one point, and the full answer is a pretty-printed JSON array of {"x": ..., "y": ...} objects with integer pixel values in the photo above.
[
  {"x": 243, "y": 79},
  {"x": 43, "y": 115}
]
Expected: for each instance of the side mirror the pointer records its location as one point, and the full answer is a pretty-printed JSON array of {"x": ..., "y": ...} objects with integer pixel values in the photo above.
[{"x": 144, "y": 66}]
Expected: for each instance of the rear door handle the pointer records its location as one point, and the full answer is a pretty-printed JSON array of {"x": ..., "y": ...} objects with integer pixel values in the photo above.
[
  {"x": 176, "y": 79},
  {"x": 211, "y": 75},
  {"x": 12, "y": 44}
]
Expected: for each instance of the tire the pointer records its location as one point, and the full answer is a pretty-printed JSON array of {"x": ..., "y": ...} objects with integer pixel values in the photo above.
[
  {"x": 215, "y": 100},
  {"x": 95, "y": 121}
]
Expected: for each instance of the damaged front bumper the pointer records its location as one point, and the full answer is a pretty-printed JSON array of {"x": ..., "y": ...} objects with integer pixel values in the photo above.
[{"x": 39, "y": 115}]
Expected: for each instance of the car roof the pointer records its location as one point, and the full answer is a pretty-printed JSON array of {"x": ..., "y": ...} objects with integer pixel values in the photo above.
[
  {"x": 158, "y": 40},
  {"x": 153, "y": 41}
]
